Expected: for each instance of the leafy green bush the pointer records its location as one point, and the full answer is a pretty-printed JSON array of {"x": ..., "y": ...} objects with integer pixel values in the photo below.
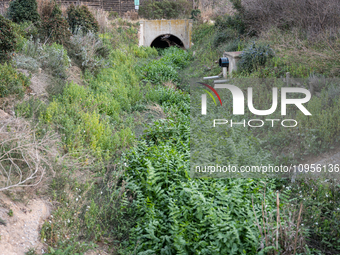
[
  {"x": 254, "y": 56},
  {"x": 54, "y": 27},
  {"x": 90, "y": 116},
  {"x": 12, "y": 82},
  {"x": 7, "y": 39},
  {"x": 195, "y": 14},
  {"x": 235, "y": 45},
  {"x": 23, "y": 10},
  {"x": 31, "y": 108},
  {"x": 176, "y": 57},
  {"x": 30, "y": 29},
  {"x": 179, "y": 215},
  {"x": 145, "y": 52},
  {"x": 80, "y": 17},
  {"x": 166, "y": 68},
  {"x": 167, "y": 9},
  {"x": 158, "y": 72}
]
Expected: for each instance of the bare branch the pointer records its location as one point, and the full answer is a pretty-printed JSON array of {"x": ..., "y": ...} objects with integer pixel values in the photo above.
[{"x": 24, "y": 157}]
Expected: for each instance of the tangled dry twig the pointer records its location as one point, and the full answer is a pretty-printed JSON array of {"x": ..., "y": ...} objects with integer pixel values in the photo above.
[{"x": 24, "y": 157}]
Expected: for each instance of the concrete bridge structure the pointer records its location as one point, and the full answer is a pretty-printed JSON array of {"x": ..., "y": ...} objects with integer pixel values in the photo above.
[{"x": 165, "y": 33}]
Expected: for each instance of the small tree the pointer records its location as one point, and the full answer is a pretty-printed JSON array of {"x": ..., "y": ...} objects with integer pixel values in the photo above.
[
  {"x": 80, "y": 17},
  {"x": 23, "y": 10},
  {"x": 54, "y": 27},
  {"x": 7, "y": 38}
]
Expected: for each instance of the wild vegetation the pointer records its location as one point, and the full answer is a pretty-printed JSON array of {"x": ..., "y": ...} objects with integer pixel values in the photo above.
[
  {"x": 115, "y": 143},
  {"x": 270, "y": 51},
  {"x": 167, "y": 9}
]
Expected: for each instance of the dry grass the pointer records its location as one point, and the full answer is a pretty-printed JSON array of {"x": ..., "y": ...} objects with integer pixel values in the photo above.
[
  {"x": 103, "y": 19},
  {"x": 210, "y": 9},
  {"x": 24, "y": 157},
  {"x": 131, "y": 15},
  {"x": 3, "y": 9},
  {"x": 313, "y": 16},
  {"x": 75, "y": 75},
  {"x": 280, "y": 229},
  {"x": 43, "y": 3},
  {"x": 157, "y": 110},
  {"x": 170, "y": 84},
  {"x": 320, "y": 54}
]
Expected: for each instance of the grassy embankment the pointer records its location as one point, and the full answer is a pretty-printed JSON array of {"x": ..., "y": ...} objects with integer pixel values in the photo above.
[{"x": 132, "y": 193}]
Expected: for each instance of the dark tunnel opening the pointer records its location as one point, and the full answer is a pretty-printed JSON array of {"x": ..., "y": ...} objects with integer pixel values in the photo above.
[{"x": 167, "y": 40}]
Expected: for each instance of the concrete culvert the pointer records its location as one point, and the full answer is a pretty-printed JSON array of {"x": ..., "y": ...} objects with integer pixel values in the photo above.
[{"x": 167, "y": 40}]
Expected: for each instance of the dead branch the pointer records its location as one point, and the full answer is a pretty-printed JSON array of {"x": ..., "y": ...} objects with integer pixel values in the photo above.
[{"x": 24, "y": 157}]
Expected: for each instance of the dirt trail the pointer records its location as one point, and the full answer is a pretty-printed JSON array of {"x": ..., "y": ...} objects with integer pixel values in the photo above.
[
  {"x": 323, "y": 161},
  {"x": 22, "y": 229}
]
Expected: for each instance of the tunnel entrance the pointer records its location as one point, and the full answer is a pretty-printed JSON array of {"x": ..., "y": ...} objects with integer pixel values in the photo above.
[{"x": 167, "y": 40}]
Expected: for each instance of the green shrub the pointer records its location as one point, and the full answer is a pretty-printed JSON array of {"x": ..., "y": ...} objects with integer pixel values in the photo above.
[
  {"x": 232, "y": 22},
  {"x": 12, "y": 82},
  {"x": 166, "y": 68},
  {"x": 255, "y": 56},
  {"x": 80, "y": 17},
  {"x": 145, "y": 52},
  {"x": 158, "y": 72},
  {"x": 88, "y": 51},
  {"x": 34, "y": 54},
  {"x": 54, "y": 27},
  {"x": 30, "y": 29},
  {"x": 167, "y": 9},
  {"x": 23, "y": 10},
  {"x": 26, "y": 62},
  {"x": 322, "y": 198},
  {"x": 55, "y": 60},
  {"x": 90, "y": 116},
  {"x": 195, "y": 14},
  {"x": 224, "y": 36},
  {"x": 180, "y": 215},
  {"x": 7, "y": 39},
  {"x": 176, "y": 57},
  {"x": 235, "y": 45},
  {"x": 31, "y": 108}
]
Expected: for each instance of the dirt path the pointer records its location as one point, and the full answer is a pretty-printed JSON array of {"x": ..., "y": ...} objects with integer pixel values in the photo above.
[
  {"x": 322, "y": 161},
  {"x": 22, "y": 229}
]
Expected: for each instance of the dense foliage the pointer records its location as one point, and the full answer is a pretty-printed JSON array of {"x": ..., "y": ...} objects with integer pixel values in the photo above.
[
  {"x": 54, "y": 27},
  {"x": 8, "y": 38},
  {"x": 12, "y": 82},
  {"x": 316, "y": 134},
  {"x": 177, "y": 214},
  {"x": 166, "y": 69},
  {"x": 80, "y": 17},
  {"x": 254, "y": 57},
  {"x": 122, "y": 176},
  {"x": 23, "y": 10},
  {"x": 167, "y": 9},
  {"x": 88, "y": 51}
]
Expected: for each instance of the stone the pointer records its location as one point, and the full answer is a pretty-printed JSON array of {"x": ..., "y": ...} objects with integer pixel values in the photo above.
[{"x": 3, "y": 114}]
